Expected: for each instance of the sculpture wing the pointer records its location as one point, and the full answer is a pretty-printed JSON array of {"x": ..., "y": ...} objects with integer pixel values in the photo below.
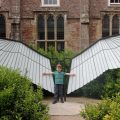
[
  {"x": 17, "y": 55},
  {"x": 92, "y": 62}
]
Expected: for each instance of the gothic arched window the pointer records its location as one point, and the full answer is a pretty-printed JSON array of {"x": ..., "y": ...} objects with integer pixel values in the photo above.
[
  {"x": 41, "y": 27},
  {"x": 60, "y": 28},
  {"x": 50, "y": 27},
  {"x": 2, "y": 27},
  {"x": 105, "y": 26},
  {"x": 115, "y": 25}
]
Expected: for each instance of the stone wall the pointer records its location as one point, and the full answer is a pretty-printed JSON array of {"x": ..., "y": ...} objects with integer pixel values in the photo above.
[
  {"x": 71, "y": 6},
  {"x": 83, "y": 24},
  {"x": 72, "y": 36}
]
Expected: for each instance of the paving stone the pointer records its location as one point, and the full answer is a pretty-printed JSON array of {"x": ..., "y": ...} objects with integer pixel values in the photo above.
[{"x": 66, "y": 108}]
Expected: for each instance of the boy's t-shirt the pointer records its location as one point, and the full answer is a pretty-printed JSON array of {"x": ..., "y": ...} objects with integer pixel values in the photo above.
[{"x": 59, "y": 77}]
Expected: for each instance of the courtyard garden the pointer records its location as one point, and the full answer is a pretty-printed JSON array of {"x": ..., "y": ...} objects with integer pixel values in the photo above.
[{"x": 20, "y": 101}]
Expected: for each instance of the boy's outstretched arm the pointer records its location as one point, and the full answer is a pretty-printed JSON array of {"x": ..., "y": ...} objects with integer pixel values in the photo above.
[
  {"x": 48, "y": 73},
  {"x": 70, "y": 74}
]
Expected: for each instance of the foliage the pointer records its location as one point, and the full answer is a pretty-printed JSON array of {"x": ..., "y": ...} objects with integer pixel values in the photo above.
[
  {"x": 18, "y": 100},
  {"x": 64, "y": 57},
  {"x": 107, "y": 109},
  {"x": 93, "y": 89},
  {"x": 112, "y": 84}
]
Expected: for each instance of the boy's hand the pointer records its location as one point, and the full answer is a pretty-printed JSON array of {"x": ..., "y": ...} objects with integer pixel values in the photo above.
[
  {"x": 48, "y": 73},
  {"x": 44, "y": 74},
  {"x": 72, "y": 74}
]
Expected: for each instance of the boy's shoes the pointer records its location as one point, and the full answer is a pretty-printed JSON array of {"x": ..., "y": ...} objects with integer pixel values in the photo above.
[
  {"x": 58, "y": 100},
  {"x": 54, "y": 102},
  {"x": 62, "y": 101}
]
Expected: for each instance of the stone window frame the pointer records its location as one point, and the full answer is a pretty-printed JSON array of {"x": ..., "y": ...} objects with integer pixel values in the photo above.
[
  {"x": 115, "y": 3},
  {"x": 55, "y": 40},
  {"x": 50, "y": 5}
]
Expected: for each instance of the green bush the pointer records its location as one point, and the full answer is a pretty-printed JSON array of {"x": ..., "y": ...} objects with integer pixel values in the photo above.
[
  {"x": 94, "y": 89},
  {"x": 108, "y": 109},
  {"x": 112, "y": 83},
  {"x": 18, "y": 100}
]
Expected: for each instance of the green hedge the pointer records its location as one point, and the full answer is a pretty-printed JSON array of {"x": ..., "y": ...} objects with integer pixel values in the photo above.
[
  {"x": 112, "y": 83},
  {"x": 108, "y": 109},
  {"x": 18, "y": 101}
]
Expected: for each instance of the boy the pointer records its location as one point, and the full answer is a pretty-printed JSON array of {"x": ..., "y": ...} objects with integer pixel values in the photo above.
[{"x": 59, "y": 81}]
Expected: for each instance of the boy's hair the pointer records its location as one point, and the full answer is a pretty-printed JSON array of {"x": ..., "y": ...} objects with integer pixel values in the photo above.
[{"x": 59, "y": 65}]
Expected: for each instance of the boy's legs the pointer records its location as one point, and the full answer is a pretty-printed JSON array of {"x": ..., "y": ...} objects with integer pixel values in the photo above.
[
  {"x": 56, "y": 93},
  {"x": 61, "y": 92}
]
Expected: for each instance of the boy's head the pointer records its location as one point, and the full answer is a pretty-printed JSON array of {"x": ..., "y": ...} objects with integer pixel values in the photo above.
[{"x": 59, "y": 67}]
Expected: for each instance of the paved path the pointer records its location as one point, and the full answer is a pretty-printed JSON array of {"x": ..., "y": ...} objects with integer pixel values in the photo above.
[
  {"x": 66, "y": 108},
  {"x": 65, "y": 111},
  {"x": 75, "y": 117},
  {"x": 69, "y": 110}
]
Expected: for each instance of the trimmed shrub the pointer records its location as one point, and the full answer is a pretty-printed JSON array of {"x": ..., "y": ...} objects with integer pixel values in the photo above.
[
  {"x": 112, "y": 83},
  {"x": 108, "y": 109},
  {"x": 18, "y": 100}
]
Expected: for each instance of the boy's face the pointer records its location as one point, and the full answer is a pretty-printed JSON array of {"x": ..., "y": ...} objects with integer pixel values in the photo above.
[{"x": 59, "y": 69}]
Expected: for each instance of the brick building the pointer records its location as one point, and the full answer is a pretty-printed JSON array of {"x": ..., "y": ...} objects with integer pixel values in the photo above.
[{"x": 71, "y": 24}]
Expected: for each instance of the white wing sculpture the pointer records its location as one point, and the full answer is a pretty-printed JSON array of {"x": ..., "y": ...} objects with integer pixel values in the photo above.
[
  {"x": 16, "y": 55},
  {"x": 92, "y": 62}
]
